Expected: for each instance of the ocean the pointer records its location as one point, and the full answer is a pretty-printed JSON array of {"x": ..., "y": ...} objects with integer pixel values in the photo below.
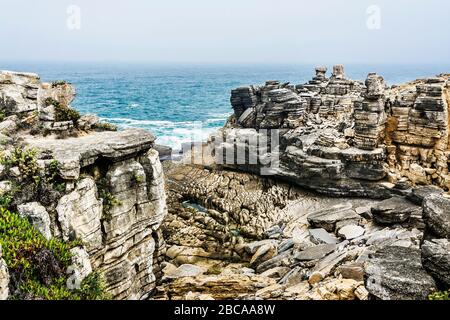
[{"x": 180, "y": 103}]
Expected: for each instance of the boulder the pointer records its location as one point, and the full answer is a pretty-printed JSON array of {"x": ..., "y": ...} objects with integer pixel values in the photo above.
[
  {"x": 436, "y": 213},
  {"x": 394, "y": 210},
  {"x": 4, "y": 278},
  {"x": 396, "y": 273},
  {"x": 436, "y": 260},
  {"x": 321, "y": 236},
  {"x": 79, "y": 269},
  {"x": 38, "y": 217}
]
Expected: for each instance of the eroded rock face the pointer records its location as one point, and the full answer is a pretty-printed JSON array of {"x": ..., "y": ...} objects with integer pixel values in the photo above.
[
  {"x": 436, "y": 260},
  {"x": 436, "y": 213},
  {"x": 342, "y": 137},
  {"x": 38, "y": 217}
]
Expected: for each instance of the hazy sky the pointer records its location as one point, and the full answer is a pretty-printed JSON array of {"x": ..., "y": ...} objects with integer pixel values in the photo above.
[{"x": 227, "y": 31}]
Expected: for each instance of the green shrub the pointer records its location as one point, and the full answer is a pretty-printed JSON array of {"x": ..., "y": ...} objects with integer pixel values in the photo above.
[
  {"x": 37, "y": 266},
  {"x": 443, "y": 295},
  {"x": 63, "y": 113},
  {"x": 106, "y": 126},
  {"x": 58, "y": 83},
  {"x": 109, "y": 200},
  {"x": 2, "y": 116}
]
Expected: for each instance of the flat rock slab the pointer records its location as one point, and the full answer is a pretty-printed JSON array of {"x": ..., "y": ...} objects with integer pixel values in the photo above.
[
  {"x": 316, "y": 252},
  {"x": 351, "y": 232},
  {"x": 322, "y": 236},
  {"x": 75, "y": 153},
  {"x": 396, "y": 273},
  {"x": 394, "y": 210},
  {"x": 418, "y": 195},
  {"x": 328, "y": 218}
]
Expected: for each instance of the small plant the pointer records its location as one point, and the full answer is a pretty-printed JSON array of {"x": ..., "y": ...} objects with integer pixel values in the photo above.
[
  {"x": 137, "y": 179},
  {"x": 2, "y": 116},
  {"x": 443, "y": 295}
]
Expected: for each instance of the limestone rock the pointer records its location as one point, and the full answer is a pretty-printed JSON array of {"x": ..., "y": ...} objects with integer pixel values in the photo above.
[
  {"x": 436, "y": 213},
  {"x": 316, "y": 252},
  {"x": 321, "y": 236},
  {"x": 186, "y": 270},
  {"x": 350, "y": 232},
  {"x": 328, "y": 218},
  {"x": 396, "y": 273},
  {"x": 38, "y": 216},
  {"x": 436, "y": 260},
  {"x": 79, "y": 269},
  {"x": 4, "y": 278}
]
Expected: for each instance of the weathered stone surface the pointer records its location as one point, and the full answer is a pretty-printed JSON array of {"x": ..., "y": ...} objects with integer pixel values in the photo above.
[
  {"x": 38, "y": 216},
  {"x": 436, "y": 213},
  {"x": 353, "y": 271},
  {"x": 436, "y": 260},
  {"x": 321, "y": 236},
  {"x": 186, "y": 270},
  {"x": 396, "y": 273},
  {"x": 79, "y": 214},
  {"x": 80, "y": 268},
  {"x": 316, "y": 252},
  {"x": 4, "y": 278},
  {"x": 394, "y": 210}
]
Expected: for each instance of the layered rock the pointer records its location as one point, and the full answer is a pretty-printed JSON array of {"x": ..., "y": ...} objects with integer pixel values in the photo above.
[{"x": 85, "y": 181}]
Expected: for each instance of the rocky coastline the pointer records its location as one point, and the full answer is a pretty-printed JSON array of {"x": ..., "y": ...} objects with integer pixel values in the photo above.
[{"x": 348, "y": 202}]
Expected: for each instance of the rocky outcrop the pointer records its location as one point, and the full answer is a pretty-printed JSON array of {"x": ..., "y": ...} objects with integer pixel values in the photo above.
[{"x": 82, "y": 180}]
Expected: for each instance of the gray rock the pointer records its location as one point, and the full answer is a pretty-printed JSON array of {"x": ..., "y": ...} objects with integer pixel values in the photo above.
[
  {"x": 394, "y": 210},
  {"x": 38, "y": 217},
  {"x": 418, "y": 195},
  {"x": 351, "y": 232},
  {"x": 321, "y": 236},
  {"x": 436, "y": 213},
  {"x": 328, "y": 218},
  {"x": 277, "y": 272},
  {"x": 316, "y": 252},
  {"x": 8, "y": 127},
  {"x": 396, "y": 273},
  {"x": 88, "y": 121},
  {"x": 436, "y": 260}
]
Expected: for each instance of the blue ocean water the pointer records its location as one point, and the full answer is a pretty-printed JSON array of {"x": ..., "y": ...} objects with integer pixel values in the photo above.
[{"x": 183, "y": 102}]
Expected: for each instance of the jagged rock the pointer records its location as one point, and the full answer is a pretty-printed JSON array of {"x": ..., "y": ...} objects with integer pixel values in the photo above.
[
  {"x": 396, "y": 273},
  {"x": 436, "y": 260},
  {"x": 38, "y": 216},
  {"x": 351, "y": 232},
  {"x": 79, "y": 214},
  {"x": 418, "y": 195},
  {"x": 321, "y": 236},
  {"x": 436, "y": 213},
  {"x": 19, "y": 92},
  {"x": 4, "y": 278},
  {"x": 79, "y": 269},
  {"x": 328, "y": 218},
  {"x": 316, "y": 252},
  {"x": 394, "y": 210}
]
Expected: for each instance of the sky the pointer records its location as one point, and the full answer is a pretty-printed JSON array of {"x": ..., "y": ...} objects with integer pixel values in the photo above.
[{"x": 228, "y": 31}]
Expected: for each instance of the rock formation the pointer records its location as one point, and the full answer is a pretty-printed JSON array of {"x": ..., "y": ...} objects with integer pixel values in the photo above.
[
  {"x": 242, "y": 211},
  {"x": 75, "y": 178}
]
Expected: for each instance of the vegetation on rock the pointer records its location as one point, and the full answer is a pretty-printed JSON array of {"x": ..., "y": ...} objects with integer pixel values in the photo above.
[
  {"x": 63, "y": 113},
  {"x": 37, "y": 265}
]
